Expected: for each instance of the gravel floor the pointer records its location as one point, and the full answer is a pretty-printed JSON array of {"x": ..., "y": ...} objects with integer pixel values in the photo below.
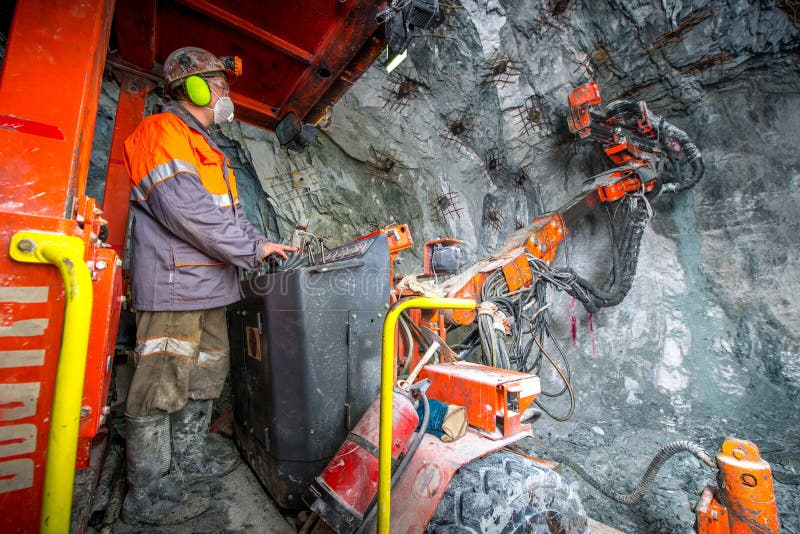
[{"x": 614, "y": 450}]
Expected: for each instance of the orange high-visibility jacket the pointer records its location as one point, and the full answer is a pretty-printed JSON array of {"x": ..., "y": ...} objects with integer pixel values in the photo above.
[{"x": 189, "y": 230}]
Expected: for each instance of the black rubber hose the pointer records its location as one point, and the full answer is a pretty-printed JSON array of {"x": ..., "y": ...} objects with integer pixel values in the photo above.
[
  {"x": 670, "y": 132},
  {"x": 649, "y": 476},
  {"x": 698, "y": 169},
  {"x": 628, "y": 250},
  {"x": 620, "y": 280}
]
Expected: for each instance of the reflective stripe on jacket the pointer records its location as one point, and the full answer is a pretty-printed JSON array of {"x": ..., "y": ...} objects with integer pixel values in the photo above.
[{"x": 189, "y": 230}]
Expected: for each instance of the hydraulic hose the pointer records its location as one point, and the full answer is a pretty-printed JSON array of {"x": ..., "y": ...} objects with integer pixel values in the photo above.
[
  {"x": 672, "y": 139},
  {"x": 649, "y": 476},
  {"x": 620, "y": 279},
  {"x": 669, "y": 132}
]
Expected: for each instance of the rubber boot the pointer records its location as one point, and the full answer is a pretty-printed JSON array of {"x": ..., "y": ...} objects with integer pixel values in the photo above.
[
  {"x": 153, "y": 498},
  {"x": 191, "y": 460}
]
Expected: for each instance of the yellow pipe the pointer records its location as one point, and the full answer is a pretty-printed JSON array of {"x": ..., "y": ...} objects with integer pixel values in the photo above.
[
  {"x": 387, "y": 384},
  {"x": 66, "y": 253}
]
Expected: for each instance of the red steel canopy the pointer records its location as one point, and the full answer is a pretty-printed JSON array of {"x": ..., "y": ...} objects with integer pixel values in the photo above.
[{"x": 297, "y": 56}]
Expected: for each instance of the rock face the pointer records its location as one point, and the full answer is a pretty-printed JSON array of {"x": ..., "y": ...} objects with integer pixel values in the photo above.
[{"x": 468, "y": 139}]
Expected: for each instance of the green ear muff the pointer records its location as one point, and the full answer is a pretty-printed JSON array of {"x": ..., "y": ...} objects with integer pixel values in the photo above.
[{"x": 198, "y": 91}]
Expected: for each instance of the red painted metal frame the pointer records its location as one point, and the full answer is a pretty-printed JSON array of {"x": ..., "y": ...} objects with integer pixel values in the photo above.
[
  {"x": 242, "y": 25},
  {"x": 135, "y": 27},
  {"x": 580, "y": 101},
  {"x": 106, "y": 305},
  {"x": 711, "y": 516},
  {"x": 540, "y": 239},
  {"x": 338, "y": 47},
  {"x": 616, "y": 191},
  {"x": 27, "y": 383},
  {"x": 26, "y": 378},
  {"x": 130, "y": 110},
  {"x": 51, "y": 78},
  {"x": 348, "y": 77},
  {"x": 744, "y": 501},
  {"x": 297, "y": 56},
  {"x": 51, "y": 75}
]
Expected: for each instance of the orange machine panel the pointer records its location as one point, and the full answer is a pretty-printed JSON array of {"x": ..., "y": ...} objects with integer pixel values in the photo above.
[
  {"x": 517, "y": 273},
  {"x": 494, "y": 398}
]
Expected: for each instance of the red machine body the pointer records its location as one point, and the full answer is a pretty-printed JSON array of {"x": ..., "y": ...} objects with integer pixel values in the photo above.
[
  {"x": 494, "y": 399},
  {"x": 348, "y": 485},
  {"x": 580, "y": 102},
  {"x": 540, "y": 239},
  {"x": 44, "y": 157},
  {"x": 311, "y": 53}
]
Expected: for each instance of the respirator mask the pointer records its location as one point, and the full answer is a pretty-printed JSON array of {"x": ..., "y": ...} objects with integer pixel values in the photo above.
[{"x": 223, "y": 109}]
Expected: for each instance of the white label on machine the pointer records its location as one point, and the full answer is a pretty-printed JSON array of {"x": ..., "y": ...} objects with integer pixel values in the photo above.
[
  {"x": 26, "y": 328},
  {"x": 16, "y": 440},
  {"x": 16, "y": 475},
  {"x": 18, "y": 401},
  {"x": 21, "y": 358},
  {"x": 28, "y": 295}
]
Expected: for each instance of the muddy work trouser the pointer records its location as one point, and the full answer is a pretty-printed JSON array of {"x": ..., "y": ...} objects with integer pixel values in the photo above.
[{"x": 180, "y": 355}]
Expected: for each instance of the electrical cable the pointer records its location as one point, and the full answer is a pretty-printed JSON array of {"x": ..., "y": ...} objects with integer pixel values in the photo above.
[
  {"x": 566, "y": 383},
  {"x": 625, "y": 255},
  {"x": 649, "y": 476},
  {"x": 567, "y": 371},
  {"x": 409, "y": 340}
]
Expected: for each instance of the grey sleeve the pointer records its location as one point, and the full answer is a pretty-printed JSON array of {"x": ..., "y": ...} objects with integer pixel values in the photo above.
[{"x": 187, "y": 210}]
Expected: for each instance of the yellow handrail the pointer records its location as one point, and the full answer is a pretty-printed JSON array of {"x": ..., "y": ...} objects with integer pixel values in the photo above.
[
  {"x": 66, "y": 253},
  {"x": 387, "y": 384}
]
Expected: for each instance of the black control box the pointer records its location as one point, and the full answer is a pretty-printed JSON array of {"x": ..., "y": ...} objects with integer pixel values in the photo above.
[{"x": 305, "y": 362}]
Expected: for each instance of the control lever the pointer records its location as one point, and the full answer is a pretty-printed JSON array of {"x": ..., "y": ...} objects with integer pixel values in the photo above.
[
  {"x": 294, "y": 261},
  {"x": 274, "y": 263}
]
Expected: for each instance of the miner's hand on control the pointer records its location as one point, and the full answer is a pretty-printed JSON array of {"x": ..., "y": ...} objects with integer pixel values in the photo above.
[{"x": 276, "y": 248}]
